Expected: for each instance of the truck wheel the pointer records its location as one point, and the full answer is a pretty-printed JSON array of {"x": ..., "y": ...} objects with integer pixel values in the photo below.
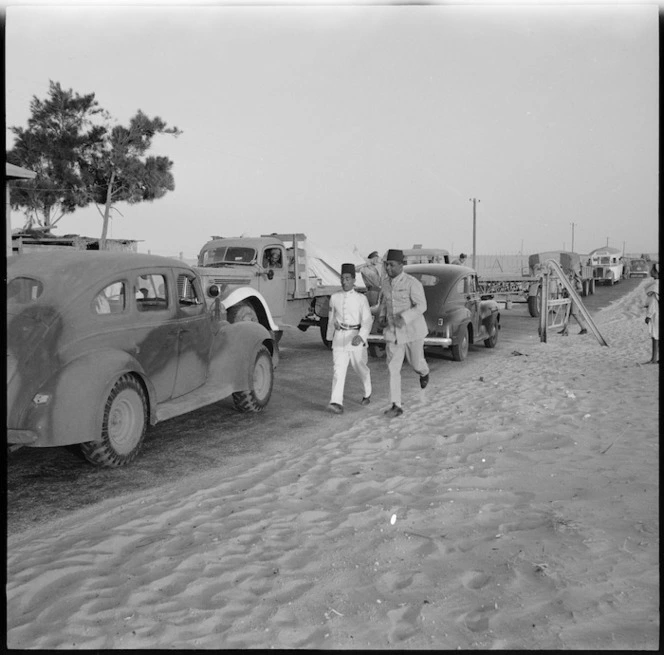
[
  {"x": 123, "y": 426},
  {"x": 323, "y": 333},
  {"x": 591, "y": 287},
  {"x": 262, "y": 378},
  {"x": 242, "y": 312},
  {"x": 460, "y": 350},
  {"x": 493, "y": 335},
  {"x": 376, "y": 351},
  {"x": 535, "y": 304}
]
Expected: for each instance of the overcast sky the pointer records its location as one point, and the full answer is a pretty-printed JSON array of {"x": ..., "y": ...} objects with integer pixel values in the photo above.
[{"x": 369, "y": 126}]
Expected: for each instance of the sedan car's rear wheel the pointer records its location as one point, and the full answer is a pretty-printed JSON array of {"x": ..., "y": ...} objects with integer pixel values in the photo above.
[
  {"x": 460, "y": 349},
  {"x": 123, "y": 425},
  {"x": 261, "y": 378},
  {"x": 493, "y": 335}
]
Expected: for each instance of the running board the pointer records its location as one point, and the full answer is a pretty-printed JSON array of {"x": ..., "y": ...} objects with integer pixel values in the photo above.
[{"x": 555, "y": 266}]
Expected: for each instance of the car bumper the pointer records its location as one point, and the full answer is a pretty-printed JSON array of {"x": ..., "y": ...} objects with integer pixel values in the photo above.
[{"x": 442, "y": 342}]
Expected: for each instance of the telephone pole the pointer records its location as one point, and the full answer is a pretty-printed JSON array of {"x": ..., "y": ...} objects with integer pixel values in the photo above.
[
  {"x": 474, "y": 201},
  {"x": 572, "y": 237}
]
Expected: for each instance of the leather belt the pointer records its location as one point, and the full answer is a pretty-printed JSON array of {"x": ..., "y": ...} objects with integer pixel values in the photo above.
[{"x": 343, "y": 326}]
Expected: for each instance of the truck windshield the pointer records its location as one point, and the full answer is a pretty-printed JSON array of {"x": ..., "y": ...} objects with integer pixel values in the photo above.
[{"x": 227, "y": 255}]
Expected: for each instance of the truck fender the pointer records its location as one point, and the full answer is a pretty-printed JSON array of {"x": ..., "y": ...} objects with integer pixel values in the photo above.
[
  {"x": 534, "y": 288},
  {"x": 243, "y": 293},
  {"x": 81, "y": 390}
]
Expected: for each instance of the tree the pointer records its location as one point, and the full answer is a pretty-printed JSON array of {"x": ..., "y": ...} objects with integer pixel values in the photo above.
[
  {"x": 117, "y": 170},
  {"x": 60, "y": 130},
  {"x": 79, "y": 162}
]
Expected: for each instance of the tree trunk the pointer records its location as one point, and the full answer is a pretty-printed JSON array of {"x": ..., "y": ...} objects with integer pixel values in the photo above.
[{"x": 107, "y": 213}]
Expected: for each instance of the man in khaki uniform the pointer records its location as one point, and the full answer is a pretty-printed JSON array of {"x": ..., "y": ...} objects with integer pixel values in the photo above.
[{"x": 401, "y": 314}]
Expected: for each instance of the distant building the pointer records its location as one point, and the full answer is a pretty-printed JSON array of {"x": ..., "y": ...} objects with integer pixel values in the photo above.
[{"x": 29, "y": 241}]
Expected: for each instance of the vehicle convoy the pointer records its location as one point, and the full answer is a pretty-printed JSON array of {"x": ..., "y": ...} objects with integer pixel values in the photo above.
[
  {"x": 101, "y": 344},
  {"x": 457, "y": 313},
  {"x": 528, "y": 288},
  {"x": 270, "y": 280}
]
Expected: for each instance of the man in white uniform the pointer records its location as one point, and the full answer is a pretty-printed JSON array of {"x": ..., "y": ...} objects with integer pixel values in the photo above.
[{"x": 349, "y": 324}]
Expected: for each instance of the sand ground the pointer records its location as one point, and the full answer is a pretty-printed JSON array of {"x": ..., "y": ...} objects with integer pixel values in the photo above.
[{"x": 515, "y": 510}]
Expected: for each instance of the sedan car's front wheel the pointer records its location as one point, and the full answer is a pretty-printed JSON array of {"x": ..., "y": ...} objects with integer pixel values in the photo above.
[
  {"x": 262, "y": 378},
  {"x": 123, "y": 426},
  {"x": 460, "y": 349}
]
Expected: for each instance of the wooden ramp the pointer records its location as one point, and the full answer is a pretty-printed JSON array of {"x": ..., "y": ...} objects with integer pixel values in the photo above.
[{"x": 555, "y": 267}]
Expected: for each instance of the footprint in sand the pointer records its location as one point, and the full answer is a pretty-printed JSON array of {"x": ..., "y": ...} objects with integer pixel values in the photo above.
[
  {"x": 477, "y": 620},
  {"x": 403, "y": 622},
  {"x": 475, "y": 579}
]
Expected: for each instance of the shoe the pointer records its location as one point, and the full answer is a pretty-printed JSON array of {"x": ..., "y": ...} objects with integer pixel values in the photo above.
[
  {"x": 366, "y": 400},
  {"x": 395, "y": 410},
  {"x": 583, "y": 331},
  {"x": 563, "y": 332},
  {"x": 424, "y": 380},
  {"x": 335, "y": 408}
]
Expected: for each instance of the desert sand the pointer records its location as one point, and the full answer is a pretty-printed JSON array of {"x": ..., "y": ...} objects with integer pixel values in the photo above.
[{"x": 515, "y": 510}]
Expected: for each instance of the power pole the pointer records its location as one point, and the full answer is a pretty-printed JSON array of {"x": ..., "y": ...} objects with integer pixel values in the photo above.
[
  {"x": 572, "y": 237},
  {"x": 474, "y": 201}
]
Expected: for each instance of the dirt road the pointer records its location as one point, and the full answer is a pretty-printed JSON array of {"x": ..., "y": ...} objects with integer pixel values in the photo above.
[{"x": 43, "y": 484}]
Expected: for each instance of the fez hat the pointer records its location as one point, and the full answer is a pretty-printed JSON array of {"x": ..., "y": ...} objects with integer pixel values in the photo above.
[
  {"x": 395, "y": 256},
  {"x": 348, "y": 268},
  {"x": 462, "y": 256},
  {"x": 372, "y": 254}
]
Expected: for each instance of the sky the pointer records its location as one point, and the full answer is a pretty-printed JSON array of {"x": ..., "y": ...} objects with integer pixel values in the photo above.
[{"x": 368, "y": 126}]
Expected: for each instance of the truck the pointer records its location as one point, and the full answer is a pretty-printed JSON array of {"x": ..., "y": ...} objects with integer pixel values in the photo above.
[
  {"x": 528, "y": 288},
  {"x": 272, "y": 280}
]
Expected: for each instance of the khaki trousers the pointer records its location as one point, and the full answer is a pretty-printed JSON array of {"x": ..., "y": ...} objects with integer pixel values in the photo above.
[{"x": 414, "y": 354}]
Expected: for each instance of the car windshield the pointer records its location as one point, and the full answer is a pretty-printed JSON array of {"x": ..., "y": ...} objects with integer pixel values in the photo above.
[
  {"x": 227, "y": 255},
  {"x": 24, "y": 290}
]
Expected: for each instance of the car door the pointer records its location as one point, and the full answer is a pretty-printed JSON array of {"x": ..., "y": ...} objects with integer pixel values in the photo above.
[
  {"x": 272, "y": 284},
  {"x": 154, "y": 328},
  {"x": 194, "y": 334}
]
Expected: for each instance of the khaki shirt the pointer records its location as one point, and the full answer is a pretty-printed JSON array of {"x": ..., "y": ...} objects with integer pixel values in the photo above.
[{"x": 403, "y": 296}]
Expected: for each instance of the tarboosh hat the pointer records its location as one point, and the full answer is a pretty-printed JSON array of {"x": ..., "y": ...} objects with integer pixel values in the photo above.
[
  {"x": 348, "y": 268},
  {"x": 372, "y": 254},
  {"x": 394, "y": 255}
]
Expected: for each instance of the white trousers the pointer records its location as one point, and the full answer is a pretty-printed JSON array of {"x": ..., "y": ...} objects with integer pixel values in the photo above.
[
  {"x": 414, "y": 353},
  {"x": 341, "y": 357}
]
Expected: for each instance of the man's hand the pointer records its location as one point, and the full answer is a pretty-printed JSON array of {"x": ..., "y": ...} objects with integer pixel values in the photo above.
[
  {"x": 399, "y": 321},
  {"x": 382, "y": 321},
  {"x": 357, "y": 340}
]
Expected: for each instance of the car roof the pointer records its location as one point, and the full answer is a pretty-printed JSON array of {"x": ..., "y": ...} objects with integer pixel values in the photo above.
[{"x": 66, "y": 274}]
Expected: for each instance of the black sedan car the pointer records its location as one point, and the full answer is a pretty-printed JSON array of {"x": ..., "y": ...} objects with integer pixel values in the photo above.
[{"x": 457, "y": 313}]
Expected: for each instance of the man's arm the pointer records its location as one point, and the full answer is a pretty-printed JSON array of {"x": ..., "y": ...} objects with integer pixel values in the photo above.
[{"x": 418, "y": 302}]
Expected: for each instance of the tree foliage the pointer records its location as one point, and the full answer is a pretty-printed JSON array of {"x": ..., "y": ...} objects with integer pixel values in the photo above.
[{"x": 81, "y": 158}]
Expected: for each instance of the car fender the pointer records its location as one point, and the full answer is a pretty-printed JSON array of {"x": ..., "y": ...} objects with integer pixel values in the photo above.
[
  {"x": 243, "y": 293},
  {"x": 488, "y": 308},
  {"x": 233, "y": 358},
  {"x": 79, "y": 391}
]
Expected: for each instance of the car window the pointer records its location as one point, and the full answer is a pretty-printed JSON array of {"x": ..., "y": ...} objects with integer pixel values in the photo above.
[
  {"x": 461, "y": 286},
  {"x": 188, "y": 293},
  {"x": 111, "y": 299},
  {"x": 24, "y": 290},
  {"x": 428, "y": 280},
  {"x": 151, "y": 292}
]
